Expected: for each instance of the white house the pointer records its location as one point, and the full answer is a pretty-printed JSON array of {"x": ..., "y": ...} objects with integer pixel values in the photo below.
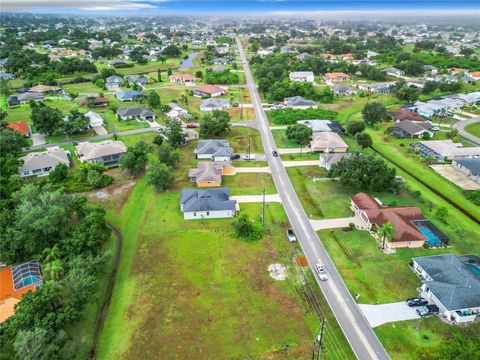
[
  {"x": 302, "y": 76},
  {"x": 207, "y": 204},
  {"x": 452, "y": 283},
  {"x": 216, "y": 150},
  {"x": 41, "y": 163},
  {"x": 95, "y": 119}
]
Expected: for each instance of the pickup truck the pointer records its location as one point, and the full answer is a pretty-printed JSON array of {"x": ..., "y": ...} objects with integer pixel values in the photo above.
[{"x": 428, "y": 310}]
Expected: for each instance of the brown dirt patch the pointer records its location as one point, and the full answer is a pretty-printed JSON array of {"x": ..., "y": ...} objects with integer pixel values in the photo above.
[
  {"x": 114, "y": 195},
  {"x": 301, "y": 261}
]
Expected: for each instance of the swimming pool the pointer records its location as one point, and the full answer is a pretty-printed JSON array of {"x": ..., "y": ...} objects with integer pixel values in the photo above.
[
  {"x": 433, "y": 240},
  {"x": 29, "y": 279}
]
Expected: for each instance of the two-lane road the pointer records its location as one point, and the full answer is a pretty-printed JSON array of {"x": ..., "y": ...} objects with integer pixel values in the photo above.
[{"x": 358, "y": 332}]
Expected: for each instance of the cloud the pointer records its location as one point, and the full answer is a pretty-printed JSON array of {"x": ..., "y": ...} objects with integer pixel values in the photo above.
[{"x": 87, "y": 5}]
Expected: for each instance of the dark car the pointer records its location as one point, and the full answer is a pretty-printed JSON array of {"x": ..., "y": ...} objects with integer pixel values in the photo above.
[
  {"x": 235, "y": 157},
  {"x": 428, "y": 310},
  {"x": 274, "y": 153},
  {"x": 235, "y": 104},
  {"x": 414, "y": 302}
]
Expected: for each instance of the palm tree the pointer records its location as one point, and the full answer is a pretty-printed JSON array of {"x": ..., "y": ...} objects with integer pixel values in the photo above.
[
  {"x": 53, "y": 270},
  {"x": 51, "y": 254},
  {"x": 386, "y": 231}
]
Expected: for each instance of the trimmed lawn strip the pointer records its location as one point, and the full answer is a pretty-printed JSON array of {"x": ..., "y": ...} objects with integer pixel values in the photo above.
[
  {"x": 249, "y": 183},
  {"x": 473, "y": 129}
]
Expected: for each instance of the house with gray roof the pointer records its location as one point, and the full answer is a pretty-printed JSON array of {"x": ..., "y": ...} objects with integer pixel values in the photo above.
[
  {"x": 107, "y": 152},
  {"x": 113, "y": 82},
  {"x": 452, "y": 283},
  {"x": 211, "y": 104},
  {"x": 24, "y": 98},
  {"x": 392, "y": 71},
  {"x": 299, "y": 102},
  {"x": 327, "y": 160},
  {"x": 136, "y": 112},
  {"x": 343, "y": 90},
  {"x": 41, "y": 163},
  {"x": 302, "y": 76},
  {"x": 129, "y": 95},
  {"x": 409, "y": 129},
  {"x": 137, "y": 80},
  {"x": 207, "y": 204},
  {"x": 216, "y": 150},
  {"x": 323, "y": 126},
  {"x": 469, "y": 166}
]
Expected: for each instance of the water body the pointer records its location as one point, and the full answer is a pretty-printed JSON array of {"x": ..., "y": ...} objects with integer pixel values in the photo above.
[{"x": 188, "y": 62}]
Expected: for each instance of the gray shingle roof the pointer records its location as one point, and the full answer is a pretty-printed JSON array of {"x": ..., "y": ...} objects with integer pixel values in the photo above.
[
  {"x": 472, "y": 164},
  {"x": 299, "y": 101},
  {"x": 134, "y": 111},
  {"x": 214, "y": 148},
  {"x": 454, "y": 283},
  {"x": 206, "y": 200},
  {"x": 50, "y": 158},
  {"x": 90, "y": 151}
]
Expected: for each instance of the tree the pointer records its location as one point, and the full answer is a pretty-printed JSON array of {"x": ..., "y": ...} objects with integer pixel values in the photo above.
[
  {"x": 426, "y": 136},
  {"x": 355, "y": 127},
  {"x": 153, "y": 99},
  {"x": 40, "y": 344},
  {"x": 409, "y": 94},
  {"x": 173, "y": 133},
  {"x": 168, "y": 155},
  {"x": 364, "y": 172},
  {"x": 429, "y": 87},
  {"x": 100, "y": 83},
  {"x": 386, "y": 233},
  {"x": 160, "y": 176},
  {"x": 374, "y": 113},
  {"x": 47, "y": 120},
  {"x": 92, "y": 174},
  {"x": 199, "y": 74},
  {"x": 442, "y": 213},
  {"x": 76, "y": 122},
  {"x": 135, "y": 159},
  {"x": 451, "y": 134},
  {"x": 247, "y": 229},
  {"x": 159, "y": 75},
  {"x": 215, "y": 123},
  {"x": 364, "y": 140},
  {"x": 299, "y": 133},
  {"x": 172, "y": 51},
  {"x": 59, "y": 174}
]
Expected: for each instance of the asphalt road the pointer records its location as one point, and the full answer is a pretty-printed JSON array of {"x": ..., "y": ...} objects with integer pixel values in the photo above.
[
  {"x": 356, "y": 328},
  {"x": 460, "y": 126}
]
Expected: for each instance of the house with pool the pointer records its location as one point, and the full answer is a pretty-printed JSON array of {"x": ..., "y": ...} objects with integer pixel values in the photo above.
[
  {"x": 412, "y": 230},
  {"x": 452, "y": 283}
]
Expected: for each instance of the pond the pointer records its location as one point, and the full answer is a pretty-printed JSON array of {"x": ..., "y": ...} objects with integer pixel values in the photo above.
[{"x": 187, "y": 63}]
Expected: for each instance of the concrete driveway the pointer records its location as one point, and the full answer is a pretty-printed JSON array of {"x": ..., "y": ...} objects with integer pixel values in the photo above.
[
  {"x": 38, "y": 139},
  {"x": 456, "y": 176},
  {"x": 301, "y": 163},
  {"x": 256, "y": 198},
  {"x": 294, "y": 150},
  {"x": 386, "y": 313},
  {"x": 334, "y": 223},
  {"x": 252, "y": 169}
]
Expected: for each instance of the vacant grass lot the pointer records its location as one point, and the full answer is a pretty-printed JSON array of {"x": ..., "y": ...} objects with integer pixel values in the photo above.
[
  {"x": 474, "y": 129},
  {"x": 180, "y": 277}
]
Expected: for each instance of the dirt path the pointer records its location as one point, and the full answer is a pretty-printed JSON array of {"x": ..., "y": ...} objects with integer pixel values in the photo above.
[{"x": 108, "y": 294}]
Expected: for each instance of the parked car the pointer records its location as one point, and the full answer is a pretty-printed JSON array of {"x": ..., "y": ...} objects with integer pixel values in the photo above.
[
  {"x": 435, "y": 128},
  {"x": 235, "y": 157},
  {"x": 274, "y": 153},
  {"x": 192, "y": 125},
  {"x": 415, "y": 302},
  {"x": 322, "y": 273},
  {"x": 235, "y": 104},
  {"x": 291, "y": 235},
  {"x": 249, "y": 157},
  {"x": 428, "y": 310}
]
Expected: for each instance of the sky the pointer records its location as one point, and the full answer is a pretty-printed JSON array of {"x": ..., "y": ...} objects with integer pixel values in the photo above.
[{"x": 279, "y": 7}]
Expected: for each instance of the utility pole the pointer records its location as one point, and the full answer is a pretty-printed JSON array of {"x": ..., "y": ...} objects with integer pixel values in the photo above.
[
  {"x": 317, "y": 343},
  {"x": 263, "y": 208},
  {"x": 249, "y": 138}
]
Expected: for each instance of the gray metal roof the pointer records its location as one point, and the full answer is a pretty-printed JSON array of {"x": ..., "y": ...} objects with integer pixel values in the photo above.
[
  {"x": 454, "y": 282},
  {"x": 206, "y": 200}
]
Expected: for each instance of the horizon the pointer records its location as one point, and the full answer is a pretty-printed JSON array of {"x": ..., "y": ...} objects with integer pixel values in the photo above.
[{"x": 236, "y": 7}]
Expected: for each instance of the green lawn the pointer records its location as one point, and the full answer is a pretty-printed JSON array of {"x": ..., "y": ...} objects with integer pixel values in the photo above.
[
  {"x": 178, "y": 275},
  {"x": 249, "y": 183},
  {"x": 281, "y": 140},
  {"x": 474, "y": 129},
  {"x": 238, "y": 138},
  {"x": 84, "y": 87}
]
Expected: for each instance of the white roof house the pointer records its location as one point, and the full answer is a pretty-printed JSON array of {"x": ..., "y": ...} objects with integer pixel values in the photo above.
[
  {"x": 442, "y": 149},
  {"x": 95, "y": 119},
  {"x": 106, "y": 152},
  {"x": 41, "y": 163},
  {"x": 214, "y": 104},
  {"x": 302, "y": 76}
]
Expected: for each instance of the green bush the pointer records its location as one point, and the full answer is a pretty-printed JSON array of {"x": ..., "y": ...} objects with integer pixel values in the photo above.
[{"x": 291, "y": 116}]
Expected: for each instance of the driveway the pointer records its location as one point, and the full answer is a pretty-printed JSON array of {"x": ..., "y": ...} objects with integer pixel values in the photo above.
[
  {"x": 258, "y": 157},
  {"x": 301, "y": 163},
  {"x": 334, "y": 223},
  {"x": 256, "y": 198},
  {"x": 38, "y": 139},
  {"x": 294, "y": 150},
  {"x": 252, "y": 169},
  {"x": 100, "y": 130},
  {"x": 377, "y": 315},
  {"x": 455, "y": 176},
  {"x": 460, "y": 126}
]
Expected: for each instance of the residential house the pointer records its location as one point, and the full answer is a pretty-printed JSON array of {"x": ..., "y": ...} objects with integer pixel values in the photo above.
[
  {"x": 182, "y": 78},
  {"x": 16, "y": 281},
  {"x": 371, "y": 212},
  {"x": 328, "y": 142},
  {"x": 408, "y": 129},
  {"x": 208, "y": 91},
  {"x": 343, "y": 90},
  {"x": 177, "y": 112},
  {"x": 475, "y": 75},
  {"x": 469, "y": 166},
  {"x": 136, "y": 112},
  {"x": 137, "y": 80},
  {"x": 221, "y": 60},
  {"x": 406, "y": 114},
  {"x": 6, "y": 76},
  {"x": 323, "y": 126},
  {"x": 452, "y": 283},
  {"x": 336, "y": 76},
  {"x": 24, "y": 98},
  {"x": 220, "y": 68},
  {"x": 41, "y": 163},
  {"x": 129, "y": 95},
  {"x": 209, "y": 174},
  {"x": 113, "y": 82},
  {"x": 20, "y": 127},
  {"x": 214, "y": 104},
  {"x": 207, "y": 204},
  {"x": 377, "y": 88},
  {"x": 94, "y": 102},
  {"x": 45, "y": 89},
  {"x": 107, "y": 152},
  {"x": 299, "y": 102},
  {"x": 302, "y": 76},
  {"x": 445, "y": 150},
  {"x": 95, "y": 119},
  {"x": 265, "y": 52},
  {"x": 392, "y": 71},
  {"x": 327, "y": 160},
  {"x": 216, "y": 150},
  {"x": 116, "y": 62},
  {"x": 432, "y": 70}
]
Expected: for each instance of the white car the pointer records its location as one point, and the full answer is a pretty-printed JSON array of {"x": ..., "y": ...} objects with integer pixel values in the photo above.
[
  {"x": 435, "y": 128},
  {"x": 291, "y": 235},
  {"x": 321, "y": 272},
  {"x": 249, "y": 157}
]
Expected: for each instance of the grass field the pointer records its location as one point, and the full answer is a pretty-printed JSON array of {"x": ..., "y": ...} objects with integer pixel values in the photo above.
[
  {"x": 172, "y": 282},
  {"x": 474, "y": 129}
]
